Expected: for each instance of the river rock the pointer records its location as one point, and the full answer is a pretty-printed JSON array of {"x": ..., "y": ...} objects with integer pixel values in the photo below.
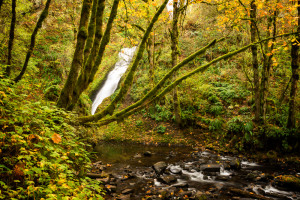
[
  {"x": 111, "y": 188},
  {"x": 175, "y": 171},
  {"x": 253, "y": 176},
  {"x": 138, "y": 155},
  {"x": 103, "y": 180},
  {"x": 127, "y": 191},
  {"x": 288, "y": 181},
  {"x": 222, "y": 178},
  {"x": 168, "y": 179},
  {"x": 182, "y": 185},
  {"x": 147, "y": 154},
  {"x": 210, "y": 168},
  {"x": 235, "y": 164},
  {"x": 124, "y": 197},
  {"x": 200, "y": 196},
  {"x": 160, "y": 167}
]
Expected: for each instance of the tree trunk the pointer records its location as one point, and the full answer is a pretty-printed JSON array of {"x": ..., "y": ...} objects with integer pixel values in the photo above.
[
  {"x": 67, "y": 92},
  {"x": 91, "y": 31},
  {"x": 153, "y": 95},
  {"x": 255, "y": 61},
  {"x": 95, "y": 59},
  {"x": 266, "y": 67},
  {"x": 175, "y": 52},
  {"x": 291, "y": 123},
  {"x": 129, "y": 77},
  {"x": 33, "y": 37},
  {"x": 11, "y": 36}
]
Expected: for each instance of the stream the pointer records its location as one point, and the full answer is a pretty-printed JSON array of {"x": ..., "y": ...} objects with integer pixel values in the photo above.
[{"x": 134, "y": 171}]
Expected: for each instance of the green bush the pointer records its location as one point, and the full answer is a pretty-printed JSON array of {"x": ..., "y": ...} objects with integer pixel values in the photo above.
[
  {"x": 244, "y": 110},
  {"x": 216, "y": 109},
  {"x": 160, "y": 113},
  {"x": 41, "y": 154},
  {"x": 215, "y": 124},
  {"x": 161, "y": 129}
]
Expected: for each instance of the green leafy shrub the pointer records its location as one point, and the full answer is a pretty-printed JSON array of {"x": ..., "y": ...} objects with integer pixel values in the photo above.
[
  {"x": 214, "y": 99},
  {"x": 41, "y": 154},
  {"x": 161, "y": 129},
  {"x": 216, "y": 109},
  {"x": 244, "y": 110},
  {"x": 160, "y": 113},
  {"x": 215, "y": 124}
]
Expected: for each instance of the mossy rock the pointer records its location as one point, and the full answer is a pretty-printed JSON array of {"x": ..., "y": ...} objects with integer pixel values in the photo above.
[
  {"x": 52, "y": 93},
  {"x": 288, "y": 181}
]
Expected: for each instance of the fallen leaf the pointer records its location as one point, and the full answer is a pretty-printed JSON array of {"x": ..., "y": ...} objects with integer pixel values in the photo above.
[{"x": 56, "y": 138}]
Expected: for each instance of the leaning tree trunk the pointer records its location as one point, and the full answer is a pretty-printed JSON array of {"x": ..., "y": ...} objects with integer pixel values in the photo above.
[
  {"x": 255, "y": 61},
  {"x": 67, "y": 92},
  {"x": 291, "y": 123},
  {"x": 33, "y": 37},
  {"x": 11, "y": 36},
  {"x": 175, "y": 52}
]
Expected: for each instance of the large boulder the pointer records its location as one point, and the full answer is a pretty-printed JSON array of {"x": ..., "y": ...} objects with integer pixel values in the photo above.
[
  {"x": 288, "y": 181},
  {"x": 159, "y": 167},
  {"x": 210, "y": 168},
  {"x": 168, "y": 179}
]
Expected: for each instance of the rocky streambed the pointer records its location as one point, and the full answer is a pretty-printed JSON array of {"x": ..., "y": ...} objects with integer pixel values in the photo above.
[{"x": 132, "y": 171}]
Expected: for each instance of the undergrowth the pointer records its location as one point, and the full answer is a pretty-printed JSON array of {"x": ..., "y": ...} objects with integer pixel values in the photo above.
[{"x": 41, "y": 156}]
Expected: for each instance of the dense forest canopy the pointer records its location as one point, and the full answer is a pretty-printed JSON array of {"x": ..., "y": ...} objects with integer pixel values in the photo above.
[{"x": 225, "y": 69}]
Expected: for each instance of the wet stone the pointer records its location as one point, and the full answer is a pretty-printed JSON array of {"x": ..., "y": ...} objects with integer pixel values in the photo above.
[
  {"x": 111, "y": 188},
  {"x": 235, "y": 164},
  {"x": 222, "y": 178},
  {"x": 175, "y": 171},
  {"x": 127, "y": 191},
  {"x": 182, "y": 185},
  {"x": 103, "y": 180},
  {"x": 210, "y": 168},
  {"x": 160, "y": 167},
  {"x": 168, "y": 179},
  {"x": 147, "y": 154},
  {"x": 124, "y": 197},
  {"x": 138, "y": 155}
]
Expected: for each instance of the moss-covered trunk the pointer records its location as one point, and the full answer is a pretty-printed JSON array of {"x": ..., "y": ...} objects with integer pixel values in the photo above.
[
  {"x": 175, "y": 52},
  {"x": 33, "y": 37},
  {"x": 150, "y": 96},
  {"x": 129, "y": 77},
  {"x": 11, "y": 36},
  {"x": 91, "y": 32},
  {"x": 291, "y": 123},
  {"x": 253, "y": 11},
  {"x": 267, "y": 65},
  {"x": 94, "y": 61},
  {"x": 156, "y": 88},
  {"x": 77, "y": 62}
]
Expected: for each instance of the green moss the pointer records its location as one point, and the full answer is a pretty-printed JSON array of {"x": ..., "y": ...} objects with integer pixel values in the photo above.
[{"x": 288, "y": 181}]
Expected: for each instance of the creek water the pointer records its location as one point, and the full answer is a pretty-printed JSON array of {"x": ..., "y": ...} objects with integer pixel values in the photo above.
[
  {"x": 114, "y": 76},
  {"x": 187, "y": 173}
]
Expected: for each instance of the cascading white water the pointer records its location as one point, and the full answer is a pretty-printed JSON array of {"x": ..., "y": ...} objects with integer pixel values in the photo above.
[{"x": 113, "y": 78}]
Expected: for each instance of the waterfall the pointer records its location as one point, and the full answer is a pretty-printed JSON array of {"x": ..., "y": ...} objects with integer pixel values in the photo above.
[{"x": 113, "y": 78}]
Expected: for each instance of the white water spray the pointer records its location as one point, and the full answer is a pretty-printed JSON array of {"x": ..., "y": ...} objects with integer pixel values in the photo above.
[{"x": 113, "y": 78}]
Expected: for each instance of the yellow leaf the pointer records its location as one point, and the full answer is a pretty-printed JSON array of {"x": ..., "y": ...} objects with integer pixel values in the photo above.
[{"x": 56, "y": 138}]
